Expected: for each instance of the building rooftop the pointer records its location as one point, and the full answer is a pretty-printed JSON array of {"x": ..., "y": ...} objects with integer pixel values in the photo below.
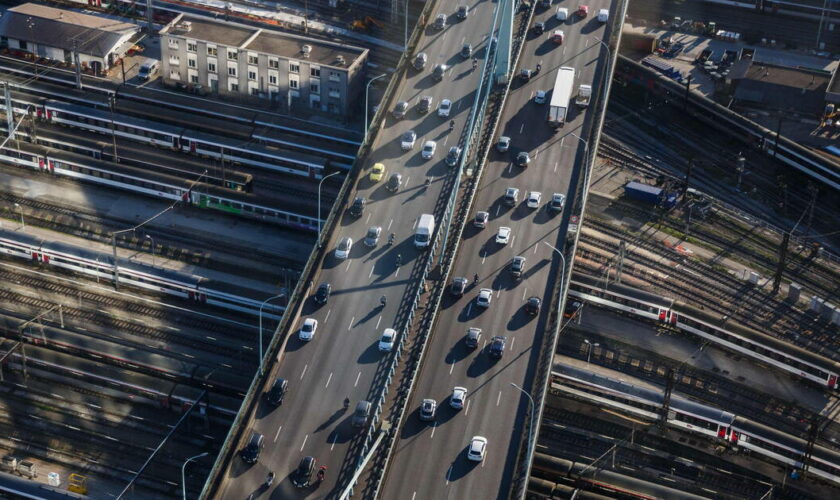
[
  {"x": 264, "y": 41},
  {"x": 778, "y": 75},
  {"x": 780, "y": 87},
  {"x": 60, "y": 28}
]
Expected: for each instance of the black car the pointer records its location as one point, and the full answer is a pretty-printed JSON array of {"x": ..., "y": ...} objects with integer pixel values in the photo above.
[
  {"x": 425, "y": 104},
  {"x": 523, "y": 159},
  {"x": 358, "y": 207},
  {"x": 466, "y": 51},
  {"x": 362, "y": 414},
  {"x": 458, "y": 286},
  {"x": 439, "y": 72},
  {"x": 539, "y": 28},
  {"x": 302, "y": 476},
  {"x": 532, "y": 307},
  {"x": 322, "y": 294},
  {"x": 251, "y": 453},
  {"x": 453, "y": 156},
  {"x": 394, "y": 182},
  {"x": 497, "y": 347},
  {"x": 525, "y": 74},
  {"x": 277, "y": 392},
  {"x": 572, "y": 307}
]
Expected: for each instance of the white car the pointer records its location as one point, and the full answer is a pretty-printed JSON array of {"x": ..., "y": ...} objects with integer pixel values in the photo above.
[
  {"x": 408, "y": 139},
  {"x": 444, "y": 108},
  {"x": 307, "y": 331},
  {"x": 539, "y": 97},
  {"x": 429, "y": 150},
  {"x": 459, "y": 394},
  {"x": 534, "y": 199},
  {"x": 386, "y": 343},
  {"x": 478, "y": 448},
  {"x": 603, "y": 15},
  {"x": 503, "y": 236},
  {"x": 342, "y": 251},
  {"x": 562, "y": 14},
  {"x": 485, "y": 295}
]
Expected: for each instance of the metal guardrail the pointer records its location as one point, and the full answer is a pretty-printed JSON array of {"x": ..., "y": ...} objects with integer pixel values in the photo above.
[
  {"x": 542, "y": 381},
  {"x": 307, "y": 275}
]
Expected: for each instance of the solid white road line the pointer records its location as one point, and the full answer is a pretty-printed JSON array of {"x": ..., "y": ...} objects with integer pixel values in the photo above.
[
  {"x": 304, "y": 442},
  {"x": 278, "y": 433},
  {"x": 304, "y": 371},
  {"x": 328, "y": 381},
  {"x": 357, "y": 379}
]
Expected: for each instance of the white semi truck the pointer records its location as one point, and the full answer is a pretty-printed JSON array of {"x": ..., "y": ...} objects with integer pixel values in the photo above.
[{"x": 561, "y": 95}]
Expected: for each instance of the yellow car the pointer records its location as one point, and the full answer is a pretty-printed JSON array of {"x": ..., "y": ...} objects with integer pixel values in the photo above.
[{"x": 377, "y": 172}]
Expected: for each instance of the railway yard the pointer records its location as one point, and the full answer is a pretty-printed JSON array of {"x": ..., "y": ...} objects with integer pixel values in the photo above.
[{"x": 150, "y": 243}]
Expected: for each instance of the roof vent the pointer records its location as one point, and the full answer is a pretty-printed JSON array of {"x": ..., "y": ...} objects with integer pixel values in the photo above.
[
  {"x": 186, "y": 26},
  {"x": 340, "y": 60},
  {"x": 305, "y": 50}
]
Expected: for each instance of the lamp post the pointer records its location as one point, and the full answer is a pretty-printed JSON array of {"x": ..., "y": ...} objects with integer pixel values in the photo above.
[
  {"x": 261, "y": 329},
  {"x": 152, "y": 240},
  {"x": 20, "y": 211},
  {"x": 367, "y": 91},
  {"x": 319, "y": 204},
  {"x": 405, "y": 36},
  {"x": 183, "y": 469},
  {"x": 531, "y": 428},
  {"x": 562, "y": 258},
  {"x": 589, "y": 347}
]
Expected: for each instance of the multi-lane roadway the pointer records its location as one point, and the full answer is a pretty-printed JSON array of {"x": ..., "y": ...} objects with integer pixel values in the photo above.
[
  {"x": 430, "y": 458},
  {"x": 342, "y": 359}
]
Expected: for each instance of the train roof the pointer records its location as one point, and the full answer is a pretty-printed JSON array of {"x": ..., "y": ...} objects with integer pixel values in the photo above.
[
  {"x": 186, "y": 119},
  {"x": 624, "y": 290},
  {"x": 627, "y": 387},
  {"x": 96, "y": 256},
  {"x": 131, "y": 121}
]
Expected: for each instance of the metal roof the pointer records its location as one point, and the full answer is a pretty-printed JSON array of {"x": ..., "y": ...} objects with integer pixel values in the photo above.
[{"x": 65, "y": 29}]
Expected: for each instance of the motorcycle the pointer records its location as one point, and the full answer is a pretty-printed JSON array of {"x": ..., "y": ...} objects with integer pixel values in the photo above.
[
  {"x": 391, "y": 239},
  {"x": 269, "y": 479},
  {"x": 322, "y": 473}
]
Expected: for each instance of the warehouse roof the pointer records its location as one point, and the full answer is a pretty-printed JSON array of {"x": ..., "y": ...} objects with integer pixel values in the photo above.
[
  {"x": 264, "y": 41},
  {"x": 64, "y": 29}
]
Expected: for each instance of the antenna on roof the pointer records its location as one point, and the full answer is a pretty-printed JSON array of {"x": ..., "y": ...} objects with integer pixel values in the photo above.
[{"x": 305, "y": 50}]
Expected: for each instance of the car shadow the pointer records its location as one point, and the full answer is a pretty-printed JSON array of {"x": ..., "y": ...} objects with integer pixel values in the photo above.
[
  {"x": 461, "y": 466},
  {"x": 480, "y": 363},
  {"x": 413, "y": 425},
  {"x": 591, "y": 25},
  {"x": 335, "y": 417},
  {"x": 371, "y": 354},
  {"x": 548, "y": 45},
  {"x": 522, "y": 211},
  {"x": 344, "y": 431},
  {"x": 458, "y": 352},
  {"x": 519, "y": 319}
]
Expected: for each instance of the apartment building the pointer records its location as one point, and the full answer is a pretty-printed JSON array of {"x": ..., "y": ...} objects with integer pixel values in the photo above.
[{"x": 259, "y": 65}]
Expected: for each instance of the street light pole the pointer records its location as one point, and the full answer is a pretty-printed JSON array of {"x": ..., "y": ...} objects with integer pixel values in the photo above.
[
  {"x": 589, "y": 347},
  {"x": 562, "y": 258},
  {"x": 531, "y": 428},
  {"x": 183, "y": 469},
  {"x": 367, "y": 90},
  {"x": 20, "y": 211},
  {"x": 319, "y": 204},
  {"x": 153, "y": 248},
  {"x": 405, "y": 36},
  {"x": 261, "y": 328}
]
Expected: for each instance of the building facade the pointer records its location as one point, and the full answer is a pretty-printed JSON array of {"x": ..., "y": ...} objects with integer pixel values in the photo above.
[
  {"x": 223, "y": 58},
  {"x": 55, "y": 34}
]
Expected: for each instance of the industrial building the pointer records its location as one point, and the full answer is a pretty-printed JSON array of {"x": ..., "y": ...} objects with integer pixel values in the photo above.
[
  {"x": 254, "y": 64},
  {"x": 779, "y": 88},
  {"x": 34, "y": 30}
]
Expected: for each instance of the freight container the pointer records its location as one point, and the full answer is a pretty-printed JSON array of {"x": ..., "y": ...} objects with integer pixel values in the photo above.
[{"x": 650, "y": 194}]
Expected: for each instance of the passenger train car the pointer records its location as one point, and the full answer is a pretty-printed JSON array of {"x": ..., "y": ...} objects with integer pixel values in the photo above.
[
  {"x": 706, "y": 327},
  {"x": 718, "y": 425},
  {"x": 101, "y": 266},
  {"x": 157, "y": 185}
]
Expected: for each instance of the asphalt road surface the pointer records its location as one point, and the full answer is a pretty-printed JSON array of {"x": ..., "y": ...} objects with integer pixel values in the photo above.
[
  {"x": 343, "y": 360},
  {"x": 430, "y": 459}
]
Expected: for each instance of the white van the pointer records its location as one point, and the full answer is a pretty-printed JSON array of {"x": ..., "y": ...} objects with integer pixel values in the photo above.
[
  {"x": 424, "y": 230},
  {"x": 148, "y": 70}
]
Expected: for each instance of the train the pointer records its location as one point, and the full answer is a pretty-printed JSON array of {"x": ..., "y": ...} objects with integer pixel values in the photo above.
[
  {"x": 707, "y": 327},
  {"x": 102, "y": 266},
  {"x": 720, "y": 426},
  {"x": 157, "y": 185}
]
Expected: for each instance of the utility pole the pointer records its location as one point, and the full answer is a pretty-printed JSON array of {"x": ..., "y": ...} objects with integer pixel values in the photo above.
[
  {"x": 783, "y": 249},
  {"x": 10, "y": 112},
  {"x": 778, "y": 134},
  {"x": 688, "y": 172},
  {"x": 739, "y": 167},
  {"x": 622, "y": 248},
  {"x": 111, "y": 99},
  {"x": 814, "y": 189},
  {"x": 666, "y": 398},
  {"x": 150, "y": 16},
  {"x": 78, "y": 65},
  {"x": 687, "y": 90}
]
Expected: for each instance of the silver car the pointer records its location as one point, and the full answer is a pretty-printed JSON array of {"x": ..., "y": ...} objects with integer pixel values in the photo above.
[{"x": 372, "y": 236}]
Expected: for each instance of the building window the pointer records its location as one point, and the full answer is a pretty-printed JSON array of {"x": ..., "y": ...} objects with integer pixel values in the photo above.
[
  {"x": 173, "y": 43},
  {"x": 22, "y": 44},
  {"x": 255, "y": 91},
  {"x": 294, "y": 83},
  {"x": 272, "y": 77},
  {"x": 173, "y": 59},
  {"x": 252, "y": 74},
  {"x": 212, "y": 50},
  {"x": 233, "y": 85},
  {"x": 211, "y": 65},
  {"x": 315, "y": 102},
  {"x": 192, "y": 62},
  {"x": 252, "y": 58},
  {"x": 192, "y": 46},
  {"x": 232, "y": 54},
  {"x": 315, "y": 87},
  {"x": 174, "y": 74},
  {"x": 315, "y": 71},
  {"x": 294, "y": 67},
  {"x": 231, "y": 68},
  {"x": 273, "y": 63},
  {"x": 335, "y": 76},
  {"x": 193, "y": 78},
  {"x": 335, "y": 93}
]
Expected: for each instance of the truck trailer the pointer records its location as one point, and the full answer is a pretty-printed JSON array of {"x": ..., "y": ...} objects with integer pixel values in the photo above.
[
  {"x": 650, "y": 194},
  {"x": 558, "y": 108}
]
